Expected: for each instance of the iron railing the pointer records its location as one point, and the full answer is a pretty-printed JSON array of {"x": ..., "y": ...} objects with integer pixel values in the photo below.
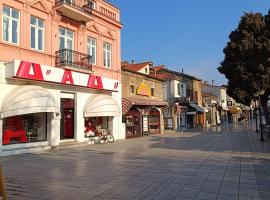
[
  {"x": 86, "y": 7},
  {"x": 70, "y": 58}
]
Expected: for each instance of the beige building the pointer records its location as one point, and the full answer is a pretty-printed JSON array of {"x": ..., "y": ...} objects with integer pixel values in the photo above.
[{"x": 142, "y": 100}]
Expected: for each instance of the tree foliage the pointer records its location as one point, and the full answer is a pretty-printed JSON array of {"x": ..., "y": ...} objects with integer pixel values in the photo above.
[{"x": 246, "y": 64}]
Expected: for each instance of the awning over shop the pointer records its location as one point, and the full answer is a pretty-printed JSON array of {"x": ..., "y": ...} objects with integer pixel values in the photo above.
[
  {"x": 28, "y": 99},
  {"x": 99, "y": 105},
  {"x": 198, "y": 108},
  {"x": 235, "y": 110},
  {"x": 127, "y": 103}
]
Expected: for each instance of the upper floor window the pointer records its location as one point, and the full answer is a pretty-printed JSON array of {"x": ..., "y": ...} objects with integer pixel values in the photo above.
[
  {"x": 178, "y": 89},
  {"x": 107, "y": 55},
  {"x": 66, "y": 38},
  {"x": 132, "y": 89},
  {"x": 182, "y": 89},
  {"x": 152, "y": 92},
  {"x": 196, "y": 96},
  {"x": 11, "y": 23},
  {"x": 92, "y": 4},
  {"x": 37, "y": 33},
  {"x": 146, "y": 70},
  {"x": 92, "y": 49}
]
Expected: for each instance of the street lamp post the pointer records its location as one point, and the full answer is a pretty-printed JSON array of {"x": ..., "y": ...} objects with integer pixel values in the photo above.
[
  {"x": 258, "y": 95},
  {"x": 260, "y": 112},
  {"x": 256, "y": 117}
]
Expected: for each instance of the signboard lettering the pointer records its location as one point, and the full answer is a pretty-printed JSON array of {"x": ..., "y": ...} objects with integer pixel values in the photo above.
[
  {"x": 30, "y": 70},
  {"x": 37, "y": 72},
  {"x": 67, "y": 77}
]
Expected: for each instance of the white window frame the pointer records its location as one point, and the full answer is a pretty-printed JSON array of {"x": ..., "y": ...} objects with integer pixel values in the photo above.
[
  {"x": 10, "y": 20},
  {"x": 37, "y": 28},
  {"x": 66, "y": 38},
  {"x": 90, "y": 46},
  {"x": 106, "y": 51}
]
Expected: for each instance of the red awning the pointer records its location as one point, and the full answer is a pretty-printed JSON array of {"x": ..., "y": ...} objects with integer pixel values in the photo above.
[{"x": 127, "y": 103}]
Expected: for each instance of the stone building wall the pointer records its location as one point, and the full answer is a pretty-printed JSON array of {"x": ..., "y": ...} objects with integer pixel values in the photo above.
[{"x": 130, "y": 78}]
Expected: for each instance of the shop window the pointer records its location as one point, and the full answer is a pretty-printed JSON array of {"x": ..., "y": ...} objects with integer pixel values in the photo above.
[
  {"x": 133, "y": 123},
  {"x": 132, "y": 89},
  {"x": 152, "y": 92},
  {"x": 25, "y": 128},
  {"x": 93, "y": 125},
  {"x": 154, "y": 121}
]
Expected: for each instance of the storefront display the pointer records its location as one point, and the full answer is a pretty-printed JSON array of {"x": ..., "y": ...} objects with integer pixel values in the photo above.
[
  {"x": 154, "y": 121},
  {"x": 94, "y": 125},
  {"x": 25, "y": 128},
  {"x": 133, "y": 123}
]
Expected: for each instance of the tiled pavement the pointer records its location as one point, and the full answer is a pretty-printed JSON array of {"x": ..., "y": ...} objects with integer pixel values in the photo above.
[{"x": 222, "y": 163}]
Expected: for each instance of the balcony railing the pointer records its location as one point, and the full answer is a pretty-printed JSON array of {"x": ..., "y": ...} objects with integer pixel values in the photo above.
[
  {"x": 72, "y": 59},
  {"x": 79, "y": 10}
]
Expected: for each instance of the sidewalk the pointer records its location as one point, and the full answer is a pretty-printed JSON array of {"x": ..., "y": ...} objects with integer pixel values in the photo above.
[{"x": 229, "y": 163}]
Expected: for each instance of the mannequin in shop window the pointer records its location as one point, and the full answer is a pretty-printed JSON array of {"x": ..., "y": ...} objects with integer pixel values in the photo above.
[{"x": 89, "y": 129}]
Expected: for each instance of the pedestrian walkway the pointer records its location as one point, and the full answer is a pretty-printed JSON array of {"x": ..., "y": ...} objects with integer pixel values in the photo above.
[{"x": 223, "y": 163}]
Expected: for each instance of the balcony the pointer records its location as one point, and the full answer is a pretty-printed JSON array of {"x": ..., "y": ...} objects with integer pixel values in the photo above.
[
  {"x": 73, "y": 60},
  {"x": 79, "y": 10}
]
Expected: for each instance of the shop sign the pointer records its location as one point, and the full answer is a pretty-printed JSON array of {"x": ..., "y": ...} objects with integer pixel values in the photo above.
[
  {"x": 37, "y": 72},
  {"x": 143, "y": 89}
]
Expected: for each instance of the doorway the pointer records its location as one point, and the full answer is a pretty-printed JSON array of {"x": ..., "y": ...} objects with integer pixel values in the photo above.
[
  {"x": 154, "y": 121},
  {"x": 133, "y": 123},
  {"x": 67, "y": 119}
]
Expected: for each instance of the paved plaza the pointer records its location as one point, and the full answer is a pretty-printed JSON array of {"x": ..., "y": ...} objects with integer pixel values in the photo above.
[{"x": 218, "y": 163}]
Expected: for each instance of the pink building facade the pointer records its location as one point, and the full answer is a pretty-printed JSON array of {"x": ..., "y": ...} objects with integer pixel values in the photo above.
[{"x": 60, "y": 72}]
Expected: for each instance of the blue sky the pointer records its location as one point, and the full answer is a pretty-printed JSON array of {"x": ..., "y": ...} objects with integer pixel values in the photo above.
[{"x": 188, "y": 34}]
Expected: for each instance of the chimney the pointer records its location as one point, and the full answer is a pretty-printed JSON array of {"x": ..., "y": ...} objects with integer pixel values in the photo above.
[
  {"x": 133, "y": 62},
  {"x": 212, "y": 82},
  {"x": 182, "y": 71}
]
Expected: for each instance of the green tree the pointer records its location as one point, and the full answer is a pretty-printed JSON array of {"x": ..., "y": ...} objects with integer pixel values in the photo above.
[{"x": 246, "y": 64}]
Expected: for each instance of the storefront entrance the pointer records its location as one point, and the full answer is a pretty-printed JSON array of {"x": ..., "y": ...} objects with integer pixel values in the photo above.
[
  {"x": 133, "y": 123},
  {"x": 154, "y": 121},
  {"x": 67, "y": 119}
]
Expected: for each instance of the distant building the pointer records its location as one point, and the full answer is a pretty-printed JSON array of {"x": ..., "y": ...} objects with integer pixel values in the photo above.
[
  {"x": 184, "y": 94},
  {"x": 221, "y": 97}
]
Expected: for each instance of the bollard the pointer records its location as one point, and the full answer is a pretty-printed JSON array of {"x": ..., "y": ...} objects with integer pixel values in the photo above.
[{"x": 3, "y": 191}]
